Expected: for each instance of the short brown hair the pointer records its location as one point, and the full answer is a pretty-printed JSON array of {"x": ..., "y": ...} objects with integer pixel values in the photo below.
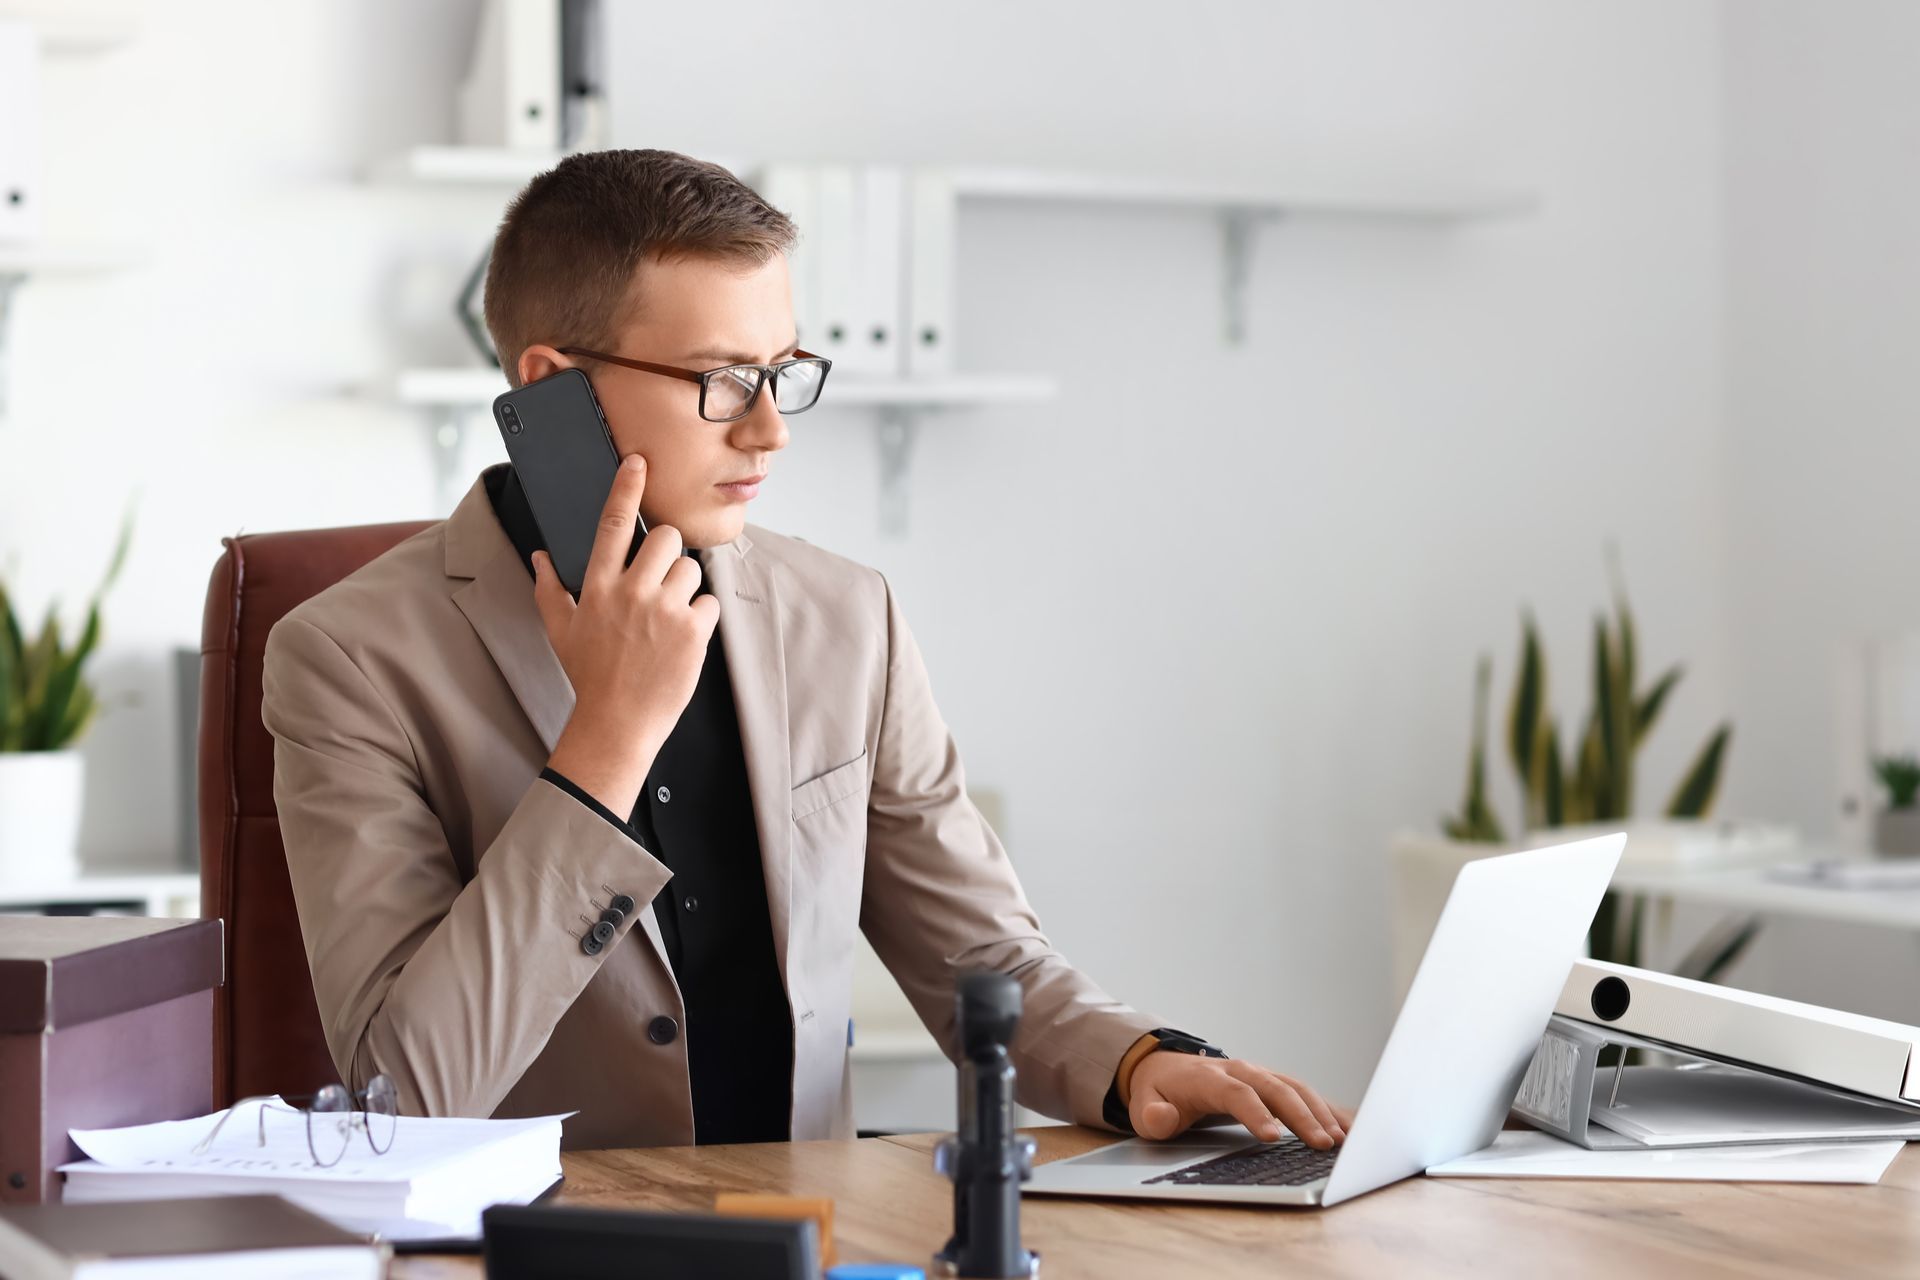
[{"x": 568, "y": 250}]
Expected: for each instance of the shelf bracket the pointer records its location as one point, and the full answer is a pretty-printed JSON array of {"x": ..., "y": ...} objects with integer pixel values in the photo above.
[
  {"x": 1238, "y": 228},
  {"x": 10, "y": 282},
  {"x": 895, "y": 431}
]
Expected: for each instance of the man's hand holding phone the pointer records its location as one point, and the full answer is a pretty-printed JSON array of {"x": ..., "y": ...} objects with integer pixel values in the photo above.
[{"x": 632, "y": 646}]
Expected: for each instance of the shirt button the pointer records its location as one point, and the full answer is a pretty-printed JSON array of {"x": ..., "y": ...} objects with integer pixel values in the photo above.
[
  {"x": 662, "y": 1030},
  {"x": 663, "y": 795},
  {"x": 692, "y": 903}
]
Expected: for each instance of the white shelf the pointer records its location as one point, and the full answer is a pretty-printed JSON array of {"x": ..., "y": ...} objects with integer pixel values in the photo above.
[
  {"x": 69, "y": 258},
  {"x": 1420, "y": 203},
  {"x": 456, "y": 388},
  {"x": 76, "y": 33},
  {"x": 454, "y": 394},
  {"x": 471, "y": 166},
  {"x": 1240, "y": 208},
  {"x": 955, "y": 391},
  {"x": 453, "y": 165},
  {"x": 499, "y": 166},
  {"x": 158, "y": 892}
]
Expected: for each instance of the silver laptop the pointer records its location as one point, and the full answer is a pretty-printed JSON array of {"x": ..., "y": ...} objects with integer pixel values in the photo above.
[{"x": 1510, "y": 931}]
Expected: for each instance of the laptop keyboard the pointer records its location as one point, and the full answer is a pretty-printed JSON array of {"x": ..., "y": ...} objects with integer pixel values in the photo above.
[{"x": 1291, "y": 1163}]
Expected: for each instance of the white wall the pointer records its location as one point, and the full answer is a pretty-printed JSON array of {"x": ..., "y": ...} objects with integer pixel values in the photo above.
[
  {"x": 1209, "y": 628},
  {"x": 1823, "y": 414}
]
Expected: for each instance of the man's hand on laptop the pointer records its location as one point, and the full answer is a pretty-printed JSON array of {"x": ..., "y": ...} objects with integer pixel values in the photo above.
[
  {"x": 1170, "y": 1092},
  {"x": 632, "y": 646}
]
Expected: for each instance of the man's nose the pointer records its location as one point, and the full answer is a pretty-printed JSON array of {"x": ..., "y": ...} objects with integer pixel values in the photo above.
[{"x": 764, "y": 427}]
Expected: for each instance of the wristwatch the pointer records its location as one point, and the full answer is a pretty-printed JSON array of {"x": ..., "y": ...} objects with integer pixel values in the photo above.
[
  {"x": 1171, "y": 1038},
  {"x": 1186, "y": 1042}
]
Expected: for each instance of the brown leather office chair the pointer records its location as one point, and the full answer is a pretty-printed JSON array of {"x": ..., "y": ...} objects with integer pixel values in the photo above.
[{"x": 266, "y": 1027}]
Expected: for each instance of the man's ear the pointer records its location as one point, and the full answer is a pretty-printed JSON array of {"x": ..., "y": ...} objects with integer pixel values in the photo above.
[{"x": 541, "y": 361}]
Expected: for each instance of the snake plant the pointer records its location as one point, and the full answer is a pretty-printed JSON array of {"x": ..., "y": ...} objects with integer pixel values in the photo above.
[
  {"x": 1594, "y": 782},
  {"x": 45, "y": 702}
]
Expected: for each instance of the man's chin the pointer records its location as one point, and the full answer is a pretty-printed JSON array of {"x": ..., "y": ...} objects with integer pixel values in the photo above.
[{"x": 712, "y": 531}]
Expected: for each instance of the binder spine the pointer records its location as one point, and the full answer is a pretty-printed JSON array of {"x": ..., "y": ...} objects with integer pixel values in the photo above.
[
  {"x": 19, "y": 132},
  {"x": 1862, "y": 1055}
]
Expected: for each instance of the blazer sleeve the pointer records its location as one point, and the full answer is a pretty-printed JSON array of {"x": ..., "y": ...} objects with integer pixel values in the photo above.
[
  {"x": 940, "y": 898},
  {"x": 451, "y": 988}
]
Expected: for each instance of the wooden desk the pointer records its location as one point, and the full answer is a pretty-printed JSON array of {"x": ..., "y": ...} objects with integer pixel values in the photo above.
[{"x": 889, "y": 1205}]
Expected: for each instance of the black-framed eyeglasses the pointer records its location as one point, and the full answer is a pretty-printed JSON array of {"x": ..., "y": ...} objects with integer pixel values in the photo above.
[
  {"x": 729, "y": 393},
  {"x": 332, "y": 1116}
]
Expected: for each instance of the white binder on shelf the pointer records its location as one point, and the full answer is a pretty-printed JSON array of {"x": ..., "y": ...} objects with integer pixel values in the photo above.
[
  {"x": 791, "y": 189},
  {"x": 836, "y": 193},
  {"x": 1868, "y": 1056},
  {"x": 857, "y": 244},
  {"x": 19, "y": 132},
  {"x": 882, "y": 255},
  {"x": 511, "y": 94},
  {"x": 931, "y": 226}
]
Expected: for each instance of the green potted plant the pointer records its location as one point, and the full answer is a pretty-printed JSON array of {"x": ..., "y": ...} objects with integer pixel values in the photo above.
[
  {"x": 1588, "y": 788},
  {"x": 46, "y": 707},
  {"x": 1896, "y": 828}
]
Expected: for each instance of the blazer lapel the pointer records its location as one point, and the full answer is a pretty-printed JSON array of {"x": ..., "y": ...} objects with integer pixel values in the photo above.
[
  {"x": 499, "y": 605},
  {"x": 756, "y": 664}
]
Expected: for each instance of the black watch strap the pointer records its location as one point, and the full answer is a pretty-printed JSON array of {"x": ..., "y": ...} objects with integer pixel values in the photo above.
[{"x": 1186, "y": 1042}]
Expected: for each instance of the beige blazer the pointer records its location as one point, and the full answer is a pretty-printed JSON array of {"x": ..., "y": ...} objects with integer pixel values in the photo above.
[{"x": 443, "y": 886}]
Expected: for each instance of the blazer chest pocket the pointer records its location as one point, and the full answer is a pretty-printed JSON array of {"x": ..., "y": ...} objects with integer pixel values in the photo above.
[{"x": 831, "y": 787}]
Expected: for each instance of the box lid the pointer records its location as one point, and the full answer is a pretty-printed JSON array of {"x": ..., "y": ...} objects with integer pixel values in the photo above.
[{"x": 60, "y": 971}]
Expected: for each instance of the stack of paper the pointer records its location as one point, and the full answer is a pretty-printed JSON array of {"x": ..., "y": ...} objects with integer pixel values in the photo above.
[
  {"x": 1714, "y": 1105},
  {"x": 1524, "y": 1153},
  {"x": 432, "y": 1182}
]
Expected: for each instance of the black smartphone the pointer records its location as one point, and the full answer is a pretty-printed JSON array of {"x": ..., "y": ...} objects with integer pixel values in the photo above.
[{"x": 557, "y": 439}]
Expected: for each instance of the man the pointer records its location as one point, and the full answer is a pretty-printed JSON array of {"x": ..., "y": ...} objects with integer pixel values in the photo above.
[{"x": 728, "y": 747}]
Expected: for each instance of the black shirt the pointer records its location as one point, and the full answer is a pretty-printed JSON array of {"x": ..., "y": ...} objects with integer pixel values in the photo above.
[{"x": 696, "y": 816}]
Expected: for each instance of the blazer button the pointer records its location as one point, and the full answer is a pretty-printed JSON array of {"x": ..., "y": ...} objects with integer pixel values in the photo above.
[
  {"x": 621, "y": 902},
  {"x": 612, "y": 916},
  {"x": 602, "y": 933},
  {"x": 662, "y": 1030},
  {"x": 591, "y": 945}
]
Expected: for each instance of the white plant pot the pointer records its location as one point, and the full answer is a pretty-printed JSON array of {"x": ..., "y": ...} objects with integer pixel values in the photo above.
[
  {"x": 40, "y": 794},
  {"x": 1896, "y": 833}
]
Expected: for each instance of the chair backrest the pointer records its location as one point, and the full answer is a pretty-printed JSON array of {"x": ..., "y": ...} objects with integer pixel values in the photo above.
[{"x": 266, "y": 1028}]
